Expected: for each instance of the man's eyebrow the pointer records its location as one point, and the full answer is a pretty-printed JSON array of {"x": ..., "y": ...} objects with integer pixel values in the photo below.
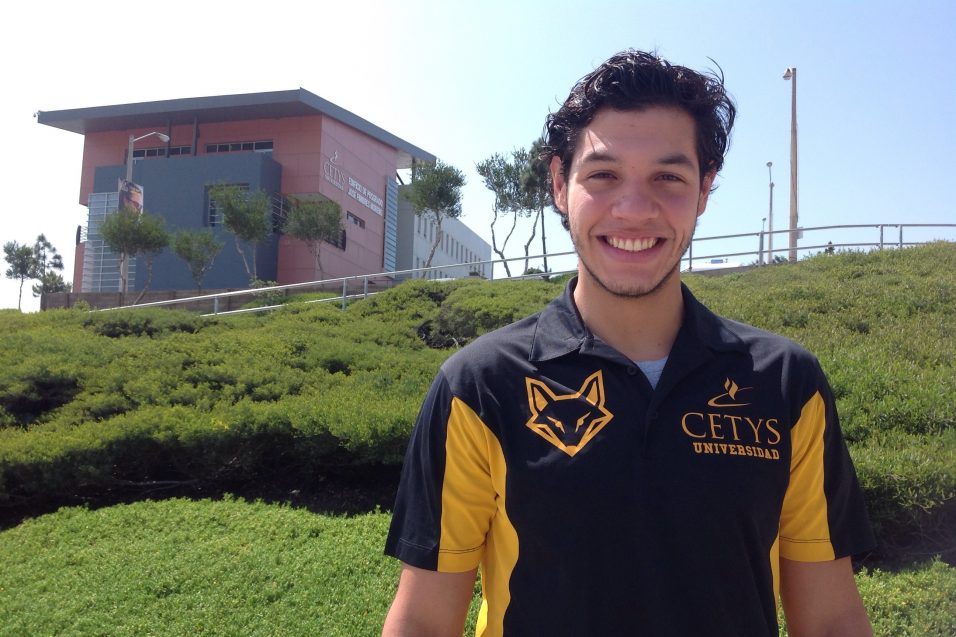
[
  {"x": 676, "y": 159},
  {"x": 597, "y": 155}
]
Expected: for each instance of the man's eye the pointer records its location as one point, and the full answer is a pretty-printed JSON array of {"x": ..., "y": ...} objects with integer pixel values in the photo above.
[
  {"x": 670, "y": 177},
  {"x": 601, "y": 174}
]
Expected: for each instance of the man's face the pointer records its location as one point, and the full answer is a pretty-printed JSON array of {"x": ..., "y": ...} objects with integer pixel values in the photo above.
[{"x": 632, "y": 195}]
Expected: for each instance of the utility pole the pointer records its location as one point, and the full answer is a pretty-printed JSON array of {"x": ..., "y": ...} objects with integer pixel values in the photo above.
[{"x": 791, "y": 74}]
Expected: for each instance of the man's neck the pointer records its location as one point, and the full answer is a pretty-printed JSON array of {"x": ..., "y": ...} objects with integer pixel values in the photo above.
[{"x": 642, "y": 328}]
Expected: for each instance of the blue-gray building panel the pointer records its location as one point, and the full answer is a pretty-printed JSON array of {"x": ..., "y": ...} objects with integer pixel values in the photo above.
[{"x": 176, "y": 189}]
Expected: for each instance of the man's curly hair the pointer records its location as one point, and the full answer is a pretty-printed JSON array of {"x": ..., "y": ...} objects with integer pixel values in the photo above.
[{"x": 636, "y": 80}]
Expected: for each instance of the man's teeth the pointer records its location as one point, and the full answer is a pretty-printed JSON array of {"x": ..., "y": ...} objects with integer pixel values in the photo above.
[{"x": 631, "y": 245}]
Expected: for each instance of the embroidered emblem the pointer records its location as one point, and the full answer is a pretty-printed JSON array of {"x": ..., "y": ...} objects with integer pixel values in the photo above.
[
  {"x": 729, "y": 398},
  {"x": 568, "y": 421}
]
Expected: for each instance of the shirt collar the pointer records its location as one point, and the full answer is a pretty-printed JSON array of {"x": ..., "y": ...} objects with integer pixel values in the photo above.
[{"x": 560, "y": 330}]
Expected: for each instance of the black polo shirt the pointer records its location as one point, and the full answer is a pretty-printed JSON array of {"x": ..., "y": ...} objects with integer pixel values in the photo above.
[{"x": 596, "y": 505}]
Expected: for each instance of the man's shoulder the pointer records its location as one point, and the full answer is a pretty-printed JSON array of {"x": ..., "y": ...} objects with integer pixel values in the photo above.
[
  {"x": 489, "y": 352},
  {"x": 770, "y": 350}
]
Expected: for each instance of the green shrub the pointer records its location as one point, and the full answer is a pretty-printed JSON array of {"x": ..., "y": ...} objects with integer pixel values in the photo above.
[
  {"x": 474, "y": 310},
  {"x": 37, "y": 387},
  {"x": 143, "y": 322},
  {"x": 89, "y": 399},
  {"x": 181, "y": 567},
  {"x": 910, "y": 487},
  {"x": 918, "y": 601}
]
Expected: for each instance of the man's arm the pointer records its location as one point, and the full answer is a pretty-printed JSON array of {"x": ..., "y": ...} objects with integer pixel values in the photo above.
[
  {"x": 429, "y": 603},
  {"x": 820, "y": 599}
]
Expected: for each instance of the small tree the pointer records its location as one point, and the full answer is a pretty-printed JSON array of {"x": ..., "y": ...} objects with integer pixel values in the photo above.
[
  {"x": 315, "y": 222},
  {"x": 51, "y": 282},
  {"x": 131, "y": 233},
  {"x": 244, "y": 214},
  {"x": 22, "y": 261},
  {"x": 502, "y": 177},
  {"x": 435, "y": 192},
  {"x": 198, "y": 248},
  {"x": 47, "y": 260},
  {"x": 535, "y": 194}
]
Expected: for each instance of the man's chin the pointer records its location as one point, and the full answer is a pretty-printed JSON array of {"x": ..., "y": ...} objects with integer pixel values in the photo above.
[{"x": 630, "y": 289}]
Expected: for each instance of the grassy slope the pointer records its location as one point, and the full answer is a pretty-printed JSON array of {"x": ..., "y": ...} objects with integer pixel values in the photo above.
[
  {"x": 230, "y": 567},
  {"x": 884, "y": 327}
]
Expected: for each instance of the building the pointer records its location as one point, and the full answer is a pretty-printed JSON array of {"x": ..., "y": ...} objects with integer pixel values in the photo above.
[
  {"x": 459, "y": 245},
  {"x": 290, "y": 144}
]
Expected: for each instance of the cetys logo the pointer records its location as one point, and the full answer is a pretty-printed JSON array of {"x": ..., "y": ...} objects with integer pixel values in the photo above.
[
  {"x": 729, "y": 397},
  {"x": 724, "y": 428},
  {"x": 568, "y": 421}
]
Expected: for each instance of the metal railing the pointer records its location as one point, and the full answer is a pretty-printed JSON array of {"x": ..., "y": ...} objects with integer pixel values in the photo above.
[
  {"x": 765, "y": 256},
  {"x": 351, "y": 285}
]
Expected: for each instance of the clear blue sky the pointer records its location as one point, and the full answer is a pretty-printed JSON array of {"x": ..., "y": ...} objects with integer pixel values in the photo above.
[{"x": 876, "y": 109}]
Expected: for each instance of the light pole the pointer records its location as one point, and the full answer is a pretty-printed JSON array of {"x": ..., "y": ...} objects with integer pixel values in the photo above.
[
  {"x": 791, "y": 74},
  {"x": 124, "y": 263},
  {"x": 763, "y": 222},
  {"x": 163, "y": 137},
  {"x": 770, "y": 215}
]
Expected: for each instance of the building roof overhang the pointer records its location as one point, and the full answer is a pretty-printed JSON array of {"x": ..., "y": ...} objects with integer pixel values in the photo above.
[{"x": 223, "y": 108}]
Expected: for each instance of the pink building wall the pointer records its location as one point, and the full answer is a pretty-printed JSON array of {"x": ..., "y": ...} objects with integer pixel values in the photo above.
[{"x": 318, "y": 155}]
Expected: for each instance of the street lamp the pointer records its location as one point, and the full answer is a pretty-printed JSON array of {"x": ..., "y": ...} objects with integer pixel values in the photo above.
[
  {"x": 163, "y": 137},
  {"x": 791, "y": 74},
  {"x": 770, "y": 215},
  {"x": 763, "y": 222},
  {"x": 124, "y": 263}
]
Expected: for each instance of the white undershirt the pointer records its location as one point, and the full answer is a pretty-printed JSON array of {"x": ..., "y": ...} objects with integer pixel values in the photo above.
[{"x": 652, "y": 369}]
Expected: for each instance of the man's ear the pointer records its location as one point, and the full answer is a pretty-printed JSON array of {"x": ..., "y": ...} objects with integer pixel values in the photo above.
[
  {"x": 559, "y": 185},
  {"x": 705, "y": 185}
]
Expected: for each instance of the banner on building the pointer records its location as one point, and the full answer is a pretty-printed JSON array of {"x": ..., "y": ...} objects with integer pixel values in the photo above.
[{"x": 130, "y": 196}]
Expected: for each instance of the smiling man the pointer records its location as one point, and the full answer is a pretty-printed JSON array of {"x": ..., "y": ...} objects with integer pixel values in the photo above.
[{"x": 625, "y": 462}]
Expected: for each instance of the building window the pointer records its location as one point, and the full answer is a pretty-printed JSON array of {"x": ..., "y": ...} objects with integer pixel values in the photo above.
[
  {"x": 213, "y": 214},
  {"x": 142, "y": 153},
  {"x": 357, "y": 221},
  {"x": 262, "y": 146}
]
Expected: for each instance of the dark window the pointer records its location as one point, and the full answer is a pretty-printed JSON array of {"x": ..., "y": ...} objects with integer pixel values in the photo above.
[
  {"x": 161, "y": 151},
  {"x": 235, "y": 147},
  {"x": 354, "y": 220}
]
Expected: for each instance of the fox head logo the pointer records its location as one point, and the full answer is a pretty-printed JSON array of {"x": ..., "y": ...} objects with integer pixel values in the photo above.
[{"x": 568, "y": 421}]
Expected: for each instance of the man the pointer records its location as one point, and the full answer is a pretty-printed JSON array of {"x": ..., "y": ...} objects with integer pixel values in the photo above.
[{"x": 625, "y": 462}]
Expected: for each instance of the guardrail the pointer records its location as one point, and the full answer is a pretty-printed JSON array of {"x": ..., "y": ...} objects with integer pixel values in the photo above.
[{"x": 385, "y": 280}]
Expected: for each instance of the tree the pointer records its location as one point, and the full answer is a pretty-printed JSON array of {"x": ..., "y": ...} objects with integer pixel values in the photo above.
[
  {"x": 131, "y": 233},
  {"x": 22, "y": 264},
  {"x": 315, "y": 222},
  {"x": 435, "y": 192},
  {"x": 503, "y": 178},
  {"x": 198, "y": 248},
  {"x": 51, "y": 282},
  {"x": 535, "y": 194},
  {"x": 244, "y": 214},
  {"x": 47, "y": 259}
]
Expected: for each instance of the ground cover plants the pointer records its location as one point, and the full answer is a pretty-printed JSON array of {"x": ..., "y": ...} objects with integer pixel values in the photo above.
[{"x": 132, "y": 402}]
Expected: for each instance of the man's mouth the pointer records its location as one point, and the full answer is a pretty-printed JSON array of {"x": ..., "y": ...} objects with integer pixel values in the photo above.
[{"x": 632, "y": 245}]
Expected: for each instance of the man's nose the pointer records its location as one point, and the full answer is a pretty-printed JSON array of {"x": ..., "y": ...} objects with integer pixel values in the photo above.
[{"x": 634, "y": 201}]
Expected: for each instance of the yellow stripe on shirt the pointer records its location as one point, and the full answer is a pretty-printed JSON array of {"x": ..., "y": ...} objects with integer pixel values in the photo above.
[{"x": 804, "y": 528}]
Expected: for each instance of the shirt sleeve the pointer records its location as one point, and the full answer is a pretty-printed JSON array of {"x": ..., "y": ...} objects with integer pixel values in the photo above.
[
  {"x": 823, "y": 516},
  {"x": 446, "y": 497}
]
